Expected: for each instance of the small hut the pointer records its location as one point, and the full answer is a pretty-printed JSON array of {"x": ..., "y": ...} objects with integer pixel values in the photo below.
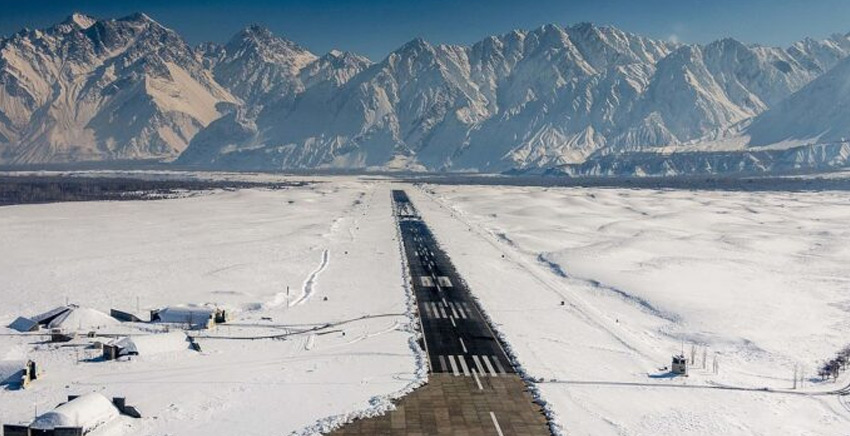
[
  {"x": 80, "y": 415},
  {"x": 17, "y": 373},
  {"x": 193, "y": 317},
  {"x": 680, "y": 365},
  {"x": 77, "y": 417},
  {"x": 145, "y": 345}
]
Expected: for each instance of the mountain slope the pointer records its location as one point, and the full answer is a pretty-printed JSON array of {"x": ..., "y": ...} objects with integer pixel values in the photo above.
[
  {"x": 820, "y": 112},
  {"x": 102, "y": 90},
  {"x": 551, "y": 97},
  {"x": 526, "y": 99}
]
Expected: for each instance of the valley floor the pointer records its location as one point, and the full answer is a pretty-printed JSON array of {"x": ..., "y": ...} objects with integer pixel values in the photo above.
[
  {"x": 593, "y": 289},
  {"x": 331, "y": 244}
]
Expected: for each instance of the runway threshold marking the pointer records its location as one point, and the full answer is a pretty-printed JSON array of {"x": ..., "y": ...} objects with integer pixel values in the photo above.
[
  {"x": 463, "y": 365},
  {"x": 428, "y": 312},
  {"x": 496, "y": 423},
  {"x": 478, "y": 365},
  {"x": 490, "y": 367},
  {"x": 454, "y": 365}
]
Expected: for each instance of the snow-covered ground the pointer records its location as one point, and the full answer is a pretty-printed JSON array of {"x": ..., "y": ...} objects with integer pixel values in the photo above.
[
  {"x": 239, "y": 250},
  {"x": 757, "y": 280}
]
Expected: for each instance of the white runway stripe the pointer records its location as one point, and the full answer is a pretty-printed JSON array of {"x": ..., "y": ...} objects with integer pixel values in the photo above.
[
  {"x": 434, "y": 312},
  {"x": 477, "y": 381},
  {"x": 496, "y": 423},
  {"x": 463, "y": 365},
  {"x": 499, "y": 365},
  {"x": 461, "y": 311},
  {"x": 454, "y": 312},
  {"x": 442, "y": 312},
  {"x": 428, "y": 313},
  {"x": 478, "y": 365},
  {"x": 489, "y": 366},
  {"x": 443, "y": 363},
  {"x": 453, "y": 364}
]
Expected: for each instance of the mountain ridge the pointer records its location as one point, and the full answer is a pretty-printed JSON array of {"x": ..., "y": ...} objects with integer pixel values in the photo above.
[{"x": 536, "y": 99}]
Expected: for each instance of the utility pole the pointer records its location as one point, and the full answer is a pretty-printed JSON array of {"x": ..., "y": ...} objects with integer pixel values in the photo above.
[
  {"x": 704, "y": 352},
  {"x": 795, "y": 377}
]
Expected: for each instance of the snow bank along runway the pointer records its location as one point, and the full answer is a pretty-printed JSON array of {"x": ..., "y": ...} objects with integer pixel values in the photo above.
[
  {"x": 757, "y": 279},
  {"x": 340, "y": 354},
  {"x": 473, "y": 387}
]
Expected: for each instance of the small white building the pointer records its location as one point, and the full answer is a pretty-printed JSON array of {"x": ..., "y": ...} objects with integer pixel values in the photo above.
[
  {"x": 82, "y": 319},
  {"x": 17, "y": 373},
  {"x": 146, "y": 345},
  {"x": 68, "y": 318},
  {"x": 194, "y": 317},
  {"x": 86, "y": 412}
]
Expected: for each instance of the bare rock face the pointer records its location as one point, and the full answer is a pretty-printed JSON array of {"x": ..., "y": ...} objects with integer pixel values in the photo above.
[{"x": 102, "y": 90}]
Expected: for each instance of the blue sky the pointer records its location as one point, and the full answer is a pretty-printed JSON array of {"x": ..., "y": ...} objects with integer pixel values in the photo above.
[{"x": 374, "y": 28}]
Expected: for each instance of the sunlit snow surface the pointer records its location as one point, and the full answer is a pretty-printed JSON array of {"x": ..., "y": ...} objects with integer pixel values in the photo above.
[
  {"x": 761, "y": 278},
  {"x": 236, "y": 249}
]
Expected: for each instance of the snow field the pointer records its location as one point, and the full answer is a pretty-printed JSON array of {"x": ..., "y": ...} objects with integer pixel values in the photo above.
[
  {"x": 239, "y": 250},
  {"x": 760, "y": 278}
]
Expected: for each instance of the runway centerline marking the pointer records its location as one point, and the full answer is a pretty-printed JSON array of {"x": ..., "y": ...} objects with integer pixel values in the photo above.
[
  {"x": 496, "y": 423},
  {"x": 477, "y": 381},
  {"x": 462, "y": 345}
]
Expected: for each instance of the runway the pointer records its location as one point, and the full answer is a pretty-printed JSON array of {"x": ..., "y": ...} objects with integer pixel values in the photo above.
[{"x": 473, "y": 388}]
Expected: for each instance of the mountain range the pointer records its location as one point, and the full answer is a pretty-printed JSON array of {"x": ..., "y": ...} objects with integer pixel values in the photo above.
[{"x": 578, "y": 100}]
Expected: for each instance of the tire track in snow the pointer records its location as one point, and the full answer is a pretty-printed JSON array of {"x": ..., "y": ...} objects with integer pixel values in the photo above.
[{"x": 309, "y": 286}]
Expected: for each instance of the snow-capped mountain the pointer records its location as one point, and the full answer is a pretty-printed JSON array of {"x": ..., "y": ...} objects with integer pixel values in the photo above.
[
  {"x": 273, "y": 84},
  {"x": 527, "y": 99},
  {"x": 90, "y": 89},
  {"x": 818, "y": 113},
  {"x": 257, "y": 66},
  {"x": 552, "y": 97}
]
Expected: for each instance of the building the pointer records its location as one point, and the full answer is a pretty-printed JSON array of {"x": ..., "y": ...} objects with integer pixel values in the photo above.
[
  {"x": 17, "y": 373},
  {"x": 145, "y": 345},
  {"x": 193, "y": 317},
  {"x": 77, "y": 417},
  {"x": 680, "y": 365},
  {"x": 68, "y": 318}
]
